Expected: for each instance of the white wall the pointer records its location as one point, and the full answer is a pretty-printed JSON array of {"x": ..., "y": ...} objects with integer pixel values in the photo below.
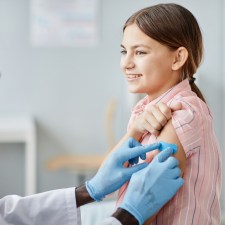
[{"x": 67, "y": 89}]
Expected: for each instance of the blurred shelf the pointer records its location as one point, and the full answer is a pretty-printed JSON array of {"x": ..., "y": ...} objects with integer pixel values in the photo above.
[
  {"x": 16, "y": 129},
  {"x": 76, "y": 162}
]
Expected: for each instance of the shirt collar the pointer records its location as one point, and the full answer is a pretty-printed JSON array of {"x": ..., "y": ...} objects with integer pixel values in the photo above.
[{"x": 165, "y": 97}]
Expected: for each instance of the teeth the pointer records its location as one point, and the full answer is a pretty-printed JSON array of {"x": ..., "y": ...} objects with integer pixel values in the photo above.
[{"x": 133, "y": 75}]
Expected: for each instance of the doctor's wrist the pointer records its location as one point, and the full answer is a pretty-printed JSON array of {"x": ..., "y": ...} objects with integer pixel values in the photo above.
[
  {"x": 125, "y": 217},
  {"x": 82, "y": 196}
]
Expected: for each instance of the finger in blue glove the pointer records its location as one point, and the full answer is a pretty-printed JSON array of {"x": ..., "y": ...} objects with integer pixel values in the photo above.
[
  {"x": 164, "y": 145},
  {"x": 135, "y": 143}
]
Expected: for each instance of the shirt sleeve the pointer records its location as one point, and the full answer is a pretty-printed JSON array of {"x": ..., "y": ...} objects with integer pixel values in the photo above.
[
  {"x": 110, "y": 221},
  {"x": 53, "y": 208}
]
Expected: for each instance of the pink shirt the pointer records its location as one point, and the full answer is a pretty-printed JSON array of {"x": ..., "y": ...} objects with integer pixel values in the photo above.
[{"x": 198, "y": 201}]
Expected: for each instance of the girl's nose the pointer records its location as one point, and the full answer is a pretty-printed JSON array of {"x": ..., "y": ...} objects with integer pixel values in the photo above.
[{"x": 127, "y": 62}]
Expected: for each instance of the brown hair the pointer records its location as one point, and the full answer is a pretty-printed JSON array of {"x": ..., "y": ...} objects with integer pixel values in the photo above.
[{"x": 173, "y": 26}]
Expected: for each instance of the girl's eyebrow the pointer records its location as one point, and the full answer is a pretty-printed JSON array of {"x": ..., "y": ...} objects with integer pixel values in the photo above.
[{"x": 136, "y": 46}]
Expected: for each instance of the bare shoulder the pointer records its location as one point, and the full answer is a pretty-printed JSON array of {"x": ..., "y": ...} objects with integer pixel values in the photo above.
[{"x": 168, "y": 134}]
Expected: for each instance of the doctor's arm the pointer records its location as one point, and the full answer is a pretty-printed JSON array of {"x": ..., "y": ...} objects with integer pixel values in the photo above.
[
  {"x": 55, "y": 207},
  {"x": 58, "y": 207},
  {"x": 142, "y": 191}
]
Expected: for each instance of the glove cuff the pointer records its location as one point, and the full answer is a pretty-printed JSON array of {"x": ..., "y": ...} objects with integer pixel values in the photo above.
[
  {"x": 92, "y": 192},
  {"x": 134, "y": 212}
]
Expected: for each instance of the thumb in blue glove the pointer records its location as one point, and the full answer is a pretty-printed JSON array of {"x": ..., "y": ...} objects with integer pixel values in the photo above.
[
  {"x": 152, "y": 187},
  {"x": 112, "y": 173}
]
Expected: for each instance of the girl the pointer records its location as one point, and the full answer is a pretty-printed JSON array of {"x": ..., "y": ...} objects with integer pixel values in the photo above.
[{"x": 161, "y": 51}]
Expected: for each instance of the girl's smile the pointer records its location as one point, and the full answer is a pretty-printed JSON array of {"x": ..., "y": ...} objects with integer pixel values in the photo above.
[{"x": 133, "y": 77}]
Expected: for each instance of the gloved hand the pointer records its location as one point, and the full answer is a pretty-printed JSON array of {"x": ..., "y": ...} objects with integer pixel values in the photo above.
[
  {"x": 112, "y": 174},
  {"x": 135, "y": 143},
  {"x": 163, "y": 145},
  {"x": 150, "y": 188}
]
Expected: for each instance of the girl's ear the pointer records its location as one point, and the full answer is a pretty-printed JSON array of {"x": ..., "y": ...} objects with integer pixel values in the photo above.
[{"x": 180, "y": 57}]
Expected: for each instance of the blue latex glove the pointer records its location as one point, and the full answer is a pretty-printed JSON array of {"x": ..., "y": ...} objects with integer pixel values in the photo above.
[
  {"x": 136, "y": 159},
  {"x": 112, "y": 174},
  {"x": 152, "y": 187},
  {"x": 163, "y": 145}
]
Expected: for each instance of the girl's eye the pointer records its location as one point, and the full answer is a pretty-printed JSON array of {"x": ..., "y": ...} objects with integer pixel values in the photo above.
[
  {"x": 140, "y": 53},
  {"x": 123, "y": 52}
]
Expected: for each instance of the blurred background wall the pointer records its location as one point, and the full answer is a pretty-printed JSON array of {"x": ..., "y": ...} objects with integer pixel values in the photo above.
[{"x": 67, "y": 89}]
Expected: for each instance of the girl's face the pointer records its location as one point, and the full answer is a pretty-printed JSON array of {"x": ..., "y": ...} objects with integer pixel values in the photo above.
[{"x": 146, "y": 63}]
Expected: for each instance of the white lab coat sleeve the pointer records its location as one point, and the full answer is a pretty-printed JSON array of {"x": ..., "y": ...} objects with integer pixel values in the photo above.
[
  {"x": 110, "y": 221},
  {"x": 56, "y": 207}
]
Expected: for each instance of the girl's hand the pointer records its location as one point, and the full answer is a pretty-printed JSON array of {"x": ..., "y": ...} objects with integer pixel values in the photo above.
[{"x": 153, "y": 119}]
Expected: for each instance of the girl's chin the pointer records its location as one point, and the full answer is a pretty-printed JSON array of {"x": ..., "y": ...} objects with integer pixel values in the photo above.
[{"x": 135, "y": 91}]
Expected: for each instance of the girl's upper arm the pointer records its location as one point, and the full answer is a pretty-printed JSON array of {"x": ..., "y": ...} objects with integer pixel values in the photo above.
[{"x": 168, "y": 134}]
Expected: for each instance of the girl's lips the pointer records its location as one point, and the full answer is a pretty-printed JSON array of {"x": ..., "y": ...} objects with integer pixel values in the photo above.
[{"x": 131, "y": 77}]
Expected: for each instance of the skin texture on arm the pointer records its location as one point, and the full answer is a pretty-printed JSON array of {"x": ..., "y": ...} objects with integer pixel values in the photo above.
[
  {"x": 82, "y": 196},
  {"x": 168, "y": 134},
  {"x": 125, "y": 217}
]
